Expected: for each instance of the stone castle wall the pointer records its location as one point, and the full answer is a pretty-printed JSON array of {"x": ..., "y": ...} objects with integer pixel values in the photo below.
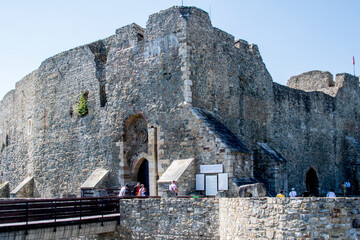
[
  {"x": 285, "y": 218},
  {"x": 238, "y": 218},
  {"x": 140, "y": 77},
  {"x": 167, "y": 219},
  {"x": 152, "y": 76},
  {"x": 309, "y": 130}
]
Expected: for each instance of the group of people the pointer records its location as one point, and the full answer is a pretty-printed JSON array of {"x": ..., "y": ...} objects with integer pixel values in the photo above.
[
  {"x": 292, "y": 194},
  {"x": 138, "y": 190},
  {"x": 345, "y": 187}
]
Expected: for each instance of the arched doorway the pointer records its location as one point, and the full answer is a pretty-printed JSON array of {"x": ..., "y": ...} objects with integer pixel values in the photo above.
[
  {"x": 312, "y": 182},
  {"x": 143, "y": 174}
]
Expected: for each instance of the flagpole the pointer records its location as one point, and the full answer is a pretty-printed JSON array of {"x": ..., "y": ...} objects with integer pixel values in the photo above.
[{"x": 354, "y": 64}]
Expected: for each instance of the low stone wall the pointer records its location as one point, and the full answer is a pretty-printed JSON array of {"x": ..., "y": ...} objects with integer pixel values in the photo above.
[
  {"x": 167, "y": 218},
  {"x": 285, "y": 218}
]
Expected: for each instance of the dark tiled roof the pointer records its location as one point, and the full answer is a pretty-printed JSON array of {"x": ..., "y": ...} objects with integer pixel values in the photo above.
[
  {"x": 244, "y": 181},
  {"x": 271, "y": 152},
  {"x": 223, "y": 133}
]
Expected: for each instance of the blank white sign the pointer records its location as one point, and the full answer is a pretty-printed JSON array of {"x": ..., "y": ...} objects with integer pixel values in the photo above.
[
  {"x": 211, "y": 185},
  {"x": 223, "y": 181},
  {"x": 213, "y": 168},
  {"x": 200, "y": 182}
]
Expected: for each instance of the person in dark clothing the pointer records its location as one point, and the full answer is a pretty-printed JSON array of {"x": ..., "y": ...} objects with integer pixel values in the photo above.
[{"x": 136, "y": 189}]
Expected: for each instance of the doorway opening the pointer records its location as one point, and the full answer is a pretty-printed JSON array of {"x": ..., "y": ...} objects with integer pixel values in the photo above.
[
  {"x": 312, "y": 182},
  {"x": 143, "y": 174}
]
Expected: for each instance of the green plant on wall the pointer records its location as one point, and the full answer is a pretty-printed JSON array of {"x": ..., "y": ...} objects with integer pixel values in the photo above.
[{"x": 80, "y": 108}]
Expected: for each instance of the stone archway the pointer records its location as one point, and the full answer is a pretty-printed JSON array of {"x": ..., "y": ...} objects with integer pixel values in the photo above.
[
  {"x": 312, "y": 182},
  {"x": 135, "y": 138},
  {"x": 143, "y": 174},
  {"x": 139, "y": 144}
]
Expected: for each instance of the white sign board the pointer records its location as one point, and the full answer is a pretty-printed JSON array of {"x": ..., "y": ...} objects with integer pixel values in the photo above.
[
  {"x": 211, "y": 185},
  {"x": 223, "y": 181},
  {"x": 200, "y": 182},
  {"x": 215, "y": 168}
]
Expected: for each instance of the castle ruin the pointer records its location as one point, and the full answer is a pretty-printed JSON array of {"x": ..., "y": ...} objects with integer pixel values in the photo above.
[{"x": 178, "y": 100}]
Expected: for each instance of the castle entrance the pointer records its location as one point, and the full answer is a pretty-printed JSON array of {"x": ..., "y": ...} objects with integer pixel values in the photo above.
[
  {"x": 143, "y": 174},
  {"x": 312, "y": 182}
]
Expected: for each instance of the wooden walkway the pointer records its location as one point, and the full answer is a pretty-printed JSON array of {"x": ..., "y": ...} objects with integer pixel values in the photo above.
[{"x": 39, "y": 213}]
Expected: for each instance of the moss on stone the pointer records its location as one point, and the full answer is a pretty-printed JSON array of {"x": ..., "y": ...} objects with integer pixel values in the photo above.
[{"x": 80, "y": 108}]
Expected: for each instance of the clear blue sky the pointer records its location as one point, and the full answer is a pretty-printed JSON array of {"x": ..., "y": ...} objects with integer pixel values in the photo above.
[{"x": 293, "y": 36}]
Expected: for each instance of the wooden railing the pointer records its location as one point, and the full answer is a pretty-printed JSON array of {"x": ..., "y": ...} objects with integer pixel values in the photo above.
[
  {"x": 61, "y": 211},
  {"x": 39, "y": 213}
]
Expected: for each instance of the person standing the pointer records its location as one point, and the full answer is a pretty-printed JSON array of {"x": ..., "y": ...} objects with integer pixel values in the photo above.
[
  {"x": 136, "y": 189},
  {"x": 281, "y": 194},
  {"x": 293, "y": 193},
  {"x": 141, "y": 190},
  {"x": 343, "y": 188},
  {"x": 123, "y": 190},
  {"x": 331, "y": 193},
  {"x": 173, "y": 187},
  {"x": 348, "y": 187},
  {"x": 144, "y": 192}
]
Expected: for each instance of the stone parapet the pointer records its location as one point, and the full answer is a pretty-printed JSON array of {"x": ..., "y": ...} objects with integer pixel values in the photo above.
[
  {"x": 285, "y": 218},
  {"x": 171, "y": 218}
]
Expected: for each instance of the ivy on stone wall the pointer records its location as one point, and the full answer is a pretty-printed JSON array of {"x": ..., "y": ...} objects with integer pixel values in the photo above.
[{"x": 80, "y": 108}]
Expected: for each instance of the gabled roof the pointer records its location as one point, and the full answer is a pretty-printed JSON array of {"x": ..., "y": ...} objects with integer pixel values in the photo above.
[
  {"x": 271, "y": 152},
  {"x": 244, "y": 181},
  {"x": 175, "y": 170},
  {"x": 223, "y": 133},
  {"x": 95, "y": 179}
]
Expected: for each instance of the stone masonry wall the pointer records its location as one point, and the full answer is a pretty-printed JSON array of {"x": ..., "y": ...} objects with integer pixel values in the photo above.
[
  {"x": 169, "y": 218},
  {"x": 16, "y": 128},
  {"x": 285, "y": 218},
  {"x": 312, "y": 81},
  {"x": 178, "y": 60},
  {"x": 135, "y": 71},
  {"x": 309, "y": 130}
]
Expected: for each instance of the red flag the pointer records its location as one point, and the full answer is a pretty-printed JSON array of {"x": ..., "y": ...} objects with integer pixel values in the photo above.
[{"x": 353, "y": 60}]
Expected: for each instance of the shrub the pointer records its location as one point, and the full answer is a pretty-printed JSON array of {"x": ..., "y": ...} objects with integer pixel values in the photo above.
[{"x": 80, "y": 108}]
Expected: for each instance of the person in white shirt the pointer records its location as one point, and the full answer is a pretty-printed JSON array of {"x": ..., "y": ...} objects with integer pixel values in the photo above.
[
  {"x": 173, "y": 187},
  {"x": 123, "y": 190},
  {"x": 331, "y": 193},
  {"x": 293, "y": 193}
]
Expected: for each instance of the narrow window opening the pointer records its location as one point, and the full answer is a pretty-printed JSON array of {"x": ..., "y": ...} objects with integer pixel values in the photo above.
[
  {"x": 140, "y": 37},
  {"x": 29, "y": 126},
  {"x": 103, "y": 99}
]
